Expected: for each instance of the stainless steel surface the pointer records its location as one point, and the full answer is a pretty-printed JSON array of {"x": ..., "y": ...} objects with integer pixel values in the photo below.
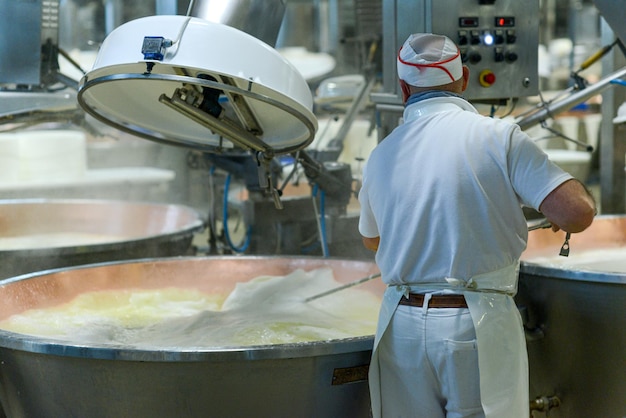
[
  {"x": 259, "y": 18},
  {"x": 138, "y": 229},
  {"x": 516, "y": 73},
  {"x": 43, "y": 378},
  {"x": 615, "y": 14},
  {"x": 35, "y": 107},
  {"x": 578, "y": 316},
  {"x": 612, "y": 137},
  {"x": 29, "y": 65},
  {"x": 21, "y": 47}
]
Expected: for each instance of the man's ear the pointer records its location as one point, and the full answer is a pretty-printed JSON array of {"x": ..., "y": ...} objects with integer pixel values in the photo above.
[
  {"x": 406, "y": 91},
  {"x": 466, "y": 76}
]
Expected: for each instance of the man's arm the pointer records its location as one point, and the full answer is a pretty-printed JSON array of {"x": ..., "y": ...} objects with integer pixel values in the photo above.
[
  {"x": 371, "y": 243},
  {"x": 569, "y": 207}
]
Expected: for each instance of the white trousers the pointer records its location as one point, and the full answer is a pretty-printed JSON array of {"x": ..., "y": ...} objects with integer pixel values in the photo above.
[{"x": 429, "y": 364}]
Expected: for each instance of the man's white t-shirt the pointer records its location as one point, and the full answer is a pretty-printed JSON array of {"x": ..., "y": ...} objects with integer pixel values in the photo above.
[{"x": 444, "y": 191}]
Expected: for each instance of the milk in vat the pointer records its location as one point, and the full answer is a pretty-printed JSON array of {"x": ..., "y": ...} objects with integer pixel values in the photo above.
[{"x": 265, "y": 310}]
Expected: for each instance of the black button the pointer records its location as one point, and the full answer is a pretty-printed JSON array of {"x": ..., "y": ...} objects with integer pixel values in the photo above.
[
  {"x": 475, "y": 58},
  {"x": 511, "y": 56},
  {"x": 511, "y": 38}
]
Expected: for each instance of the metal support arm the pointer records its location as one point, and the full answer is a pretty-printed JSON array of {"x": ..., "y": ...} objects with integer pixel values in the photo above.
[{"x": 546, "y": 111}]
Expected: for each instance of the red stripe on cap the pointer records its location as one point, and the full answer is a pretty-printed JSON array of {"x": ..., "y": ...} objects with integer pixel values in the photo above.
[{"x": 436, "y": 65}]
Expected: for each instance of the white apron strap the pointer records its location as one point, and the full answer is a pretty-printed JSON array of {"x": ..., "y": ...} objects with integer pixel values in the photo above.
[
  {"x": 390, "y": 302},
  {"x": 502, "y": 357}
]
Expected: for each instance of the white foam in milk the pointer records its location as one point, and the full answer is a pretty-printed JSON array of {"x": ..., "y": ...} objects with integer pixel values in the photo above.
[
  {"x": 609, "y": 260},
  {"x": 265, "y": 310}
]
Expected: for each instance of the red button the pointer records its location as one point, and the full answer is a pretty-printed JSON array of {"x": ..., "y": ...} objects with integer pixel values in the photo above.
[
  {"x": 487, "y": 78},
  {"x": 490, "y": 78}
]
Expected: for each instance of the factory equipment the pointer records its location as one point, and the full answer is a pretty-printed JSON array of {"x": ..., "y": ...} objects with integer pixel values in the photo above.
[
  {"x": 498, "y": 42},
  {"x": 187, "y": 81},
  {"x": 611, "y": 161},
  {"x": 157, "y": 84},
  {"x": 573, "y": 307},
  {"x": 30, "y": 60},
  {"x": 236, "y": 100},
  {"x": 212, "y": 83},
  {"x": 32, "y": 88},
  {"x": 44, "y": 377},
  {"x": 41, "y": 234}
]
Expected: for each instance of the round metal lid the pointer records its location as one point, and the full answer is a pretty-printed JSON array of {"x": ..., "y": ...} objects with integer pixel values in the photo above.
[{"x": 186, "y": 81}]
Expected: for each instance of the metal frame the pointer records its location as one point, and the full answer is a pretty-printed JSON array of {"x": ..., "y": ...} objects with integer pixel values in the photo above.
[{"x": 240, "y": 136}]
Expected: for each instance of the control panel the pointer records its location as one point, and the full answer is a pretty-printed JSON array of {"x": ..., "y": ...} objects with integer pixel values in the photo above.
[{"x": 498, "y": 40}]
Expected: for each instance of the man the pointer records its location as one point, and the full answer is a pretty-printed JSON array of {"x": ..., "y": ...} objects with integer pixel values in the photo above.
[{"x": 441, "y": 204}]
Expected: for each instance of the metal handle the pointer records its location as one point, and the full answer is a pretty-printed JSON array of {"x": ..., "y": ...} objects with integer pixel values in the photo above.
[
  {"x": 541, "y": 225},
  {"x": 565, "y": 248},
  {"x": 345, "y": 286}
]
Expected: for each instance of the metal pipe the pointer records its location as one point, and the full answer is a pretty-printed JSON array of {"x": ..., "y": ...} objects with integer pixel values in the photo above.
[
  {"x": 353, "y": 111},
  {"x": 166, "y": 7},
  {"x": 581, "y": 96},
  {"x": 113, "y": 11}
]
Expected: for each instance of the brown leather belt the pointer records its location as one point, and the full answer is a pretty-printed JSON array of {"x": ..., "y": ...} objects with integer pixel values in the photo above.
[{"x": 436, "y": 301}]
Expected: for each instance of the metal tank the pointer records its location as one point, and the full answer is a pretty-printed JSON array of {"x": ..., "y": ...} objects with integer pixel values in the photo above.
[
  {"x": 259, "y": 18},
  {"x": 118, "y": 230},
  {"x": 45, "y": 378},
  {"x": 575, "y": 322}
]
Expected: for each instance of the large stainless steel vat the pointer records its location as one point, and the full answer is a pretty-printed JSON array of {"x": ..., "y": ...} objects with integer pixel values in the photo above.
[
  {"x": 43, "y": 378},
  {"x": 130, "y": 230},
  {"x": 576, "y": 323}
]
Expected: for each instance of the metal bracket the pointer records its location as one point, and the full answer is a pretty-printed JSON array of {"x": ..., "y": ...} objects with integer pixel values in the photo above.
[{"x": 185, "y": 101}]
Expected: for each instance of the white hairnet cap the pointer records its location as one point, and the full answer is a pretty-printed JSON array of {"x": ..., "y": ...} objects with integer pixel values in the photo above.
[{"x": 427, "y": 60}]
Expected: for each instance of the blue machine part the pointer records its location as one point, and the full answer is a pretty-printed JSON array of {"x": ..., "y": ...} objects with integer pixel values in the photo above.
[{"x": 153, "y": 47}]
